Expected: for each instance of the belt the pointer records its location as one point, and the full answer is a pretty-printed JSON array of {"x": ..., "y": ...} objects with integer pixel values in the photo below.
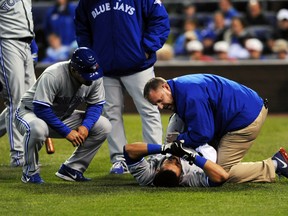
[
  {"x": 265, "y": 103},
  {"x": 25, "y": 107},
  {"x": 25, "y": 39}
]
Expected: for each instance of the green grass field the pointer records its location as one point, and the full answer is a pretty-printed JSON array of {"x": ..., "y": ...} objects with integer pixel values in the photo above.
[{"x": 120, "y": 195}]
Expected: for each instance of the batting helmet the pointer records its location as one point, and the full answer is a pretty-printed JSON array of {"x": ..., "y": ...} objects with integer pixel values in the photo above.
[{"x": 83, "y": 60}]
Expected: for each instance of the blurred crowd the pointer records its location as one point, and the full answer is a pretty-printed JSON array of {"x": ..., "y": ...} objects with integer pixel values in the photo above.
[
  {"x": 229, "y": 35},
  {"x": 224, "y": 34}
]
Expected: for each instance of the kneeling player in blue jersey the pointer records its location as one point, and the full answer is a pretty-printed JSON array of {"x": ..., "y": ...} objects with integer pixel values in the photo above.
[{"x": 223, "y": 113}]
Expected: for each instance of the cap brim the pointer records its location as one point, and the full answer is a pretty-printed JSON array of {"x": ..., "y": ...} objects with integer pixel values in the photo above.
[{"x": 93, "y": 76}]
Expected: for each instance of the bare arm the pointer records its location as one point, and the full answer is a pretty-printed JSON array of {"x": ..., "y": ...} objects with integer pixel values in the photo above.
[
  {"x": 136, "y": 150},
  {"x": 215, "y": 172}
]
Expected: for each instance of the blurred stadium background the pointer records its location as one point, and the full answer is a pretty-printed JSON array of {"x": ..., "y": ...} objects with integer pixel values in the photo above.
[{"x": 268, "y": 77}]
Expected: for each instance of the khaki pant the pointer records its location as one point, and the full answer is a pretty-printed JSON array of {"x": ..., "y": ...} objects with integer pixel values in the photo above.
[{"x": 232, "y": 148}]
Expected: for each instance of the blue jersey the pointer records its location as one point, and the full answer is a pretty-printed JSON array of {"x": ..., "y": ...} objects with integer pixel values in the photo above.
[
  {"x": 211, "y": 106},
  {"x": 121, "y": 32}
]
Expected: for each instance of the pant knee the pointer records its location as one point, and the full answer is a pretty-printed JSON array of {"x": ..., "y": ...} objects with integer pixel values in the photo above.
[
  {"x": 102, "y": 126},
  {"x": 38, "y": 129}
]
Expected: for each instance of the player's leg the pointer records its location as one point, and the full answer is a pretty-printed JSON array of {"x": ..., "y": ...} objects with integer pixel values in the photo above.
[
  {"x": 34, "y": 131},
  {"x": 78, "y": 162},
  {"x": 83, "y": 155},
  {"x": 2, "y": 123},
  {"x": 150, "y": 116},
  {"x": 233, "y": 147},
  {"x": 13, "y": 65},
  {"x": 113, "y": 110},
  {"x": 174, "y": 128}
]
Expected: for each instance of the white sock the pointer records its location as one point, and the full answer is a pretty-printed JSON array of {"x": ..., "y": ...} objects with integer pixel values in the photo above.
[{"x": 275, "y": 164}]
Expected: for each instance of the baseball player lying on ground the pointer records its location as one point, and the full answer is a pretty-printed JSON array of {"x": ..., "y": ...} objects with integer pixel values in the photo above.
[{"x": 182, "y": 168}]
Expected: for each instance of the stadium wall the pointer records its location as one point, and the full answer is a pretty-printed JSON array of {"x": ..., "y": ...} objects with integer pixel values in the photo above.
[{"x": 268, "y": 78}]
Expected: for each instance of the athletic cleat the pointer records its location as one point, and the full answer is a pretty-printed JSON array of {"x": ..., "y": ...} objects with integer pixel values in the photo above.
[
  {"x": 35, "y": 179},
  {"x": 70, "y": 174},
  {"x": 119, "y": 167},
  {"x": 282, "y": 162}
]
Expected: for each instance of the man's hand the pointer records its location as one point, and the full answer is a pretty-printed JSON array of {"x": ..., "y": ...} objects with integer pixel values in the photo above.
[
  {"x": 176, "y": 148},
  {"x": 75, "y": 138},
  {"x": 83, "y": 131}
]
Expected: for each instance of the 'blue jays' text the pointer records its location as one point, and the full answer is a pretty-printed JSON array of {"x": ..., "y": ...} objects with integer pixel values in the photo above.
[{"x": 107, "y": 7}]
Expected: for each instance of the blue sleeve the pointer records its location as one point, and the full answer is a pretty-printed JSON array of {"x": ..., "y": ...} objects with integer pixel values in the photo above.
[
  {"x": 199, "y": 122},
  {"x": 92, "y": 115},
  {"x": 34, "y": 51},
  {"x": 157, "y": 26},
  {"x": 46, "y": 114},
  {"x": 83, "y": 33}
]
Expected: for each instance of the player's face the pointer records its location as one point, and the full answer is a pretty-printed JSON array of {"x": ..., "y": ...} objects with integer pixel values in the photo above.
[
  {"x": 162, "y": 97},
  {"x": 173, "y": 163}
]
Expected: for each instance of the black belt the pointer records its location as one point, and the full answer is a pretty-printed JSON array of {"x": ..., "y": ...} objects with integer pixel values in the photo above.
[
  {"x": 25, "y": 107},
  {"x": 25, "y": 39},
  {"x": 265, "y": 103}
]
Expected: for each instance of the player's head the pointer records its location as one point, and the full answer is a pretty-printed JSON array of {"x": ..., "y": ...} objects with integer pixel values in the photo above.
[
  {"x": 158, "y": 92},
  {"x": 169, "y": 173},
  {"x": 83, "y": 61}
]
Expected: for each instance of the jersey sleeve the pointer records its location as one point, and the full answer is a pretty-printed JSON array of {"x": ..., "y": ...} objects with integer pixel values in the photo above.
[
  {"x": 143, "y": 171},
  {"x": 199, "y": 123},
  {"x": 194, "y": 177},
  {"x": 157, "y": 26},
  {"x": 46, "y": 90}
]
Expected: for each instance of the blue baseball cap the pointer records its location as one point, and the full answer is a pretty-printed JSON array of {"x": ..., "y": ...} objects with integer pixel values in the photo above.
[{"x": 83, "y": 60}]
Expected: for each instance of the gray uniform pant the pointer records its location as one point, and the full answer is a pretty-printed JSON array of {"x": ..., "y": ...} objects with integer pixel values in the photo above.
[
  {"x": 36, "y": 131},
  {"x": 113, "y": 109},
  {"x": 17, "y": 75}
]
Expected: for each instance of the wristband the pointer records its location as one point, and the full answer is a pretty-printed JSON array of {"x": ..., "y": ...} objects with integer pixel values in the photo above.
[
  {"x": 200, "y": 161},
  {"x": 153, "y": 148}
]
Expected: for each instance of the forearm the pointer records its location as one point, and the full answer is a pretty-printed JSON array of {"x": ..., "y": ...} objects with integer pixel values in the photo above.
[
  {"x": 136, "y": 150},
  {"x": 47, "y": 115},
  {"x": 215, "y": 172}
]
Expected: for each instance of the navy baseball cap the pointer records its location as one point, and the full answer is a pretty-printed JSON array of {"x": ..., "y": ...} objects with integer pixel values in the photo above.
[{"x": 83, "y": 60}]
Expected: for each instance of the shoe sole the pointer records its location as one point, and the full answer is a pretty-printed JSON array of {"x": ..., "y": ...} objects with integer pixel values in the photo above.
[
  {"x": 118, "y": 173},
  {"x": 64, "y": 177}
]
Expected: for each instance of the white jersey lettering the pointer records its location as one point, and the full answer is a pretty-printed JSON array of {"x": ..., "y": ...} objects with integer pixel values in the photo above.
[
  {"x": 101, "y": 9},
  {"x": 107, "y": 7}
]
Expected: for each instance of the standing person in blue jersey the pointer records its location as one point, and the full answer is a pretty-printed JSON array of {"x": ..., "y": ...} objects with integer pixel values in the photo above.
[
  {"x": 60, "y": 21},
  {"x": 48, "y": 108},
  {"x": 125, "y": 36},
  {"x": 17, "y": 68},
  {"x": 220, "y": 111}
]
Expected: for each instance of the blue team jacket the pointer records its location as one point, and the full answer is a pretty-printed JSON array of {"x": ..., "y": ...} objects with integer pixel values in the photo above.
[
  {"x": 120, "y": 32},
  {"x": 211, "y": 106}
]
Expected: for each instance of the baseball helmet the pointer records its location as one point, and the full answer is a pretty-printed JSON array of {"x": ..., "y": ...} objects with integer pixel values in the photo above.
[{"x": 83, "y": 60}]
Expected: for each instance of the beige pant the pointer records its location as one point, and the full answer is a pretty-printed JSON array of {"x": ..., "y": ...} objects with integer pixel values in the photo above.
[{"x": 233, "y": 147}]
